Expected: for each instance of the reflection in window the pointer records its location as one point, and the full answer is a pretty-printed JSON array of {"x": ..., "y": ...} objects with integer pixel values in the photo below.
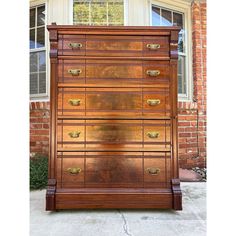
[
  {"x": 37, "y": 51},
  {"x": 167, "y": 17},
  {"x": 98, "y": 12}
]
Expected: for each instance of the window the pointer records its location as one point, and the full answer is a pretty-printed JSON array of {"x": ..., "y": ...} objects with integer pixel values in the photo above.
[
  {"x": 98, "y": 12},
  {"x": 37, "y": 51},
  {"x": 166, "y": 17}
]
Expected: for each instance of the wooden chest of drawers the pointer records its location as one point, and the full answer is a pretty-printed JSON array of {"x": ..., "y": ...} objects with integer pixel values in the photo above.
[{"x": 113, "y": 124}]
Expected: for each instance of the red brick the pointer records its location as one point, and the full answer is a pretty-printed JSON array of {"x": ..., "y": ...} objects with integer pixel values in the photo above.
[
  {"x": 39, "y": 132},
  {"x": 39, "y": 120},
  {"x": 46, "y": 126},
  {"x": 39, "y": 138},
  {"x": 184, "y": 135},
  {"x": 35, "y": 126}
]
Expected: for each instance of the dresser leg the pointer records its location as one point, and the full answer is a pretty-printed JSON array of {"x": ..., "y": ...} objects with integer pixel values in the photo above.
[
  {"x": 177, "y": 194},
  {"x": 50, "y": 195}
]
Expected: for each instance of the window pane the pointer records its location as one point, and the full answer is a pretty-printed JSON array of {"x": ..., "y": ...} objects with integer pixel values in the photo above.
[
  {"x": 81, "y": 13},
  {"x": 33, "y": 62},
  {"x": 116, "y": 13},
  {"x": 42, "y": 82},
  {"x": 178, "y": 19},
  {"x": 32, "y": 18},
  {"x": 32, "y": 38},
  {"x": 42, "y": 61},
  {"x": 40, "y": 15},
  {"x": 181, "y": 75},
  {"x": 33, "y": 83},
  {"x": 181, "y": 41},
  {"x": 156, "y": 18},
  {"x": 166, "y": 19},
  {"x": 99, "y": 13},
  {"x": 40, "y": 37}
]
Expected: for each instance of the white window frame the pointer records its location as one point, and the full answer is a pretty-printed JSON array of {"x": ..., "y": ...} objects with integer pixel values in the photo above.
[
  {"x": 71, "y": 12},
  {"x": 42, "y": 96},
  {"x": 185, "y": 8}
]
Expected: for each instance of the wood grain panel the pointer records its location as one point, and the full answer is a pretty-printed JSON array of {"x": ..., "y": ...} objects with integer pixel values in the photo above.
[
  {"x": 123, "y": 198},
  {"x": 114, "y": 45},
  {"x": 114, "y": 170},
  {"x": 113, "y": 69}
]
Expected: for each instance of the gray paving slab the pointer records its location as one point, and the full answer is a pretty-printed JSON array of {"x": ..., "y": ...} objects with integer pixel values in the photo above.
[{"x": 189, "y": 222}]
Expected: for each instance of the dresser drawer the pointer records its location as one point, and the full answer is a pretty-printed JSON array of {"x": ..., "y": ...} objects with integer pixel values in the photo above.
[
  {"x": 113, "y": 72},
  {"x": 113, "y": 169},
  {"x": 148, "y": 102},
  {"x": 72, "y": 45},
  {"x": 157, "y": 169},
  {"x": 70, "y": 170},
  {"x": 96, "y": 45},
  {"x": 113, "y": 134}
]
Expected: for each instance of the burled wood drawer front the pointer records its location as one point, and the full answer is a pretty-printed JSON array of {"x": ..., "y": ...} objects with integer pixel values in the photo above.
[
  {"x": 113, "y": 72},
  {"x": 114, "y": 102},
  {"x": 113, "y": 133},
  {"x": 96, "y": 45},
  {"x": 113, "y": 169}
]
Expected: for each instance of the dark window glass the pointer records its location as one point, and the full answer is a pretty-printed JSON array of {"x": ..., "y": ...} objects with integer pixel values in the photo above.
[
  {"x": 41, "y": 16},
  {"x": 32, "y": 17}
]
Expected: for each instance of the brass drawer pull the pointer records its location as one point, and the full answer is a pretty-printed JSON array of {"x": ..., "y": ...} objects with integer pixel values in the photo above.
[
  {"x": 74, "y": 170},
  {"x": 153, "y": 72},
  {"x": 75, "y": 45},
  {"x": 74, "y": 134},
  {"x": 74, "y": 102},
  {"x": 153, "y": 134},
  {"x": 74, "y": 71},
  {"x": 153, "y": 46},
  {"x": 153, "y": 170},
  {"x": 153, "y": 102}
]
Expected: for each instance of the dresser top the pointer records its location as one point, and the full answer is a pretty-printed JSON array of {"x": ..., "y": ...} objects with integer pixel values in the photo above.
[{"x": 121, "y": 30}]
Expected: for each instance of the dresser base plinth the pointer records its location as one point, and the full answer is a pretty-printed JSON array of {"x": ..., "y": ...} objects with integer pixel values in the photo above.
[
  {"x": 114, "y": 198},
  {"x": 51, "y": 195}
]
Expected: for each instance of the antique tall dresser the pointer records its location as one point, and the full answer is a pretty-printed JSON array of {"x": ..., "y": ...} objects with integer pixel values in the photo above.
[{"x": 113, "y": 123}]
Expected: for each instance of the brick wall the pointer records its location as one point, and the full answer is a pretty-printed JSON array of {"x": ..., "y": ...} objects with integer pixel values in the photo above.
[
  {"x": 192, "y": 115},
  {"x": 39, "y": 127}
]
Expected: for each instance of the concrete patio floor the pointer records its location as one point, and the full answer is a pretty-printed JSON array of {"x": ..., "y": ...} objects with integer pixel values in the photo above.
[{"x": 189, "y": 222}]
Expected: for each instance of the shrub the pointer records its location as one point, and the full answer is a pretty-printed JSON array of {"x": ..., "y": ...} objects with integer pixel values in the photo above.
[{"x": 38, "y": 172}]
